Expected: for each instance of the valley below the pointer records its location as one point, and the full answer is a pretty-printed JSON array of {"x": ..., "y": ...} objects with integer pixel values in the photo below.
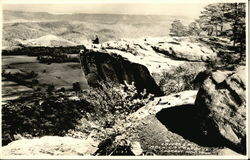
[{"x": 57, "y": 75}]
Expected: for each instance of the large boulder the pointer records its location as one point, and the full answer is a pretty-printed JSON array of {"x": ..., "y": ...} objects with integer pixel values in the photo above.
[
  {"x": 141, "y": 60},
  {"x": 222, "y": 101}
]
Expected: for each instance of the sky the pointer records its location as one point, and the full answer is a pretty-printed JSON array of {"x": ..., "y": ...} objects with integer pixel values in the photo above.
[{"x": 191, "y": 10}]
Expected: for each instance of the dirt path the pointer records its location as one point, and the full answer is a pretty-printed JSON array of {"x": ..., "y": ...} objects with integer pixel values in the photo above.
[
  {"x": 156, "y": 138},
  {"x": 153, "y": 135}
]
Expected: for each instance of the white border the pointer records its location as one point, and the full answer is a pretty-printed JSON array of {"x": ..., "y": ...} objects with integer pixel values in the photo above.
[
  {"x": 113, "y": 1},
  {"x": 134, "y": 1}
]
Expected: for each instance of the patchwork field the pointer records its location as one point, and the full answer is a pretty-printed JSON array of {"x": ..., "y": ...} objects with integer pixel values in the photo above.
[
  {"x": 57, "y": 74},
  {"x": 10, "y": 60}
]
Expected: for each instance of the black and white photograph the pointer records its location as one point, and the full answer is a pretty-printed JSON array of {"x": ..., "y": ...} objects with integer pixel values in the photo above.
[{"x": 124, "y": 79}]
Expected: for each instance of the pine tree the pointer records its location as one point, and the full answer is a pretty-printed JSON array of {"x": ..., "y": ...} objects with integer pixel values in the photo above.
[
  {"x": 178, "y": 29},
  {"x": 212, "y": 18},
  {"x": 193, "y": 29},
  {"x": 236, "y": 15},
  {"x": 218, "y": 14}
]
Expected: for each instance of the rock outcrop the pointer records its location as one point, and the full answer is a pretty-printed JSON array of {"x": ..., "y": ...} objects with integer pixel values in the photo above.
[
  {"x": 222, "y": 101},
  {"x": 50, "y": 146},
  {"x": 99, "y": 66},
  {"x": 184, "y": 49},
  {"x": 141, "y": 60}
]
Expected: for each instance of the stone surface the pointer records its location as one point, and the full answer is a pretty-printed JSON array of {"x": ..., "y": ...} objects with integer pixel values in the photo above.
[
  {"x": 169, "y": 101},
  {"x": 184, "y": 49},
  {"x": 227, "y": 152},
  {"x": 141, "y": 60},
  {"x": 50, "y": 146},
  {"x": 155, "y": 138},
  {"x": 136, "y": 148},
  {"x": 222, "y": 99}
]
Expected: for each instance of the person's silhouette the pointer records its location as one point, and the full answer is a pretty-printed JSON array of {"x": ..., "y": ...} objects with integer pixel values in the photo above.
[{"x": 96, "y": 40}]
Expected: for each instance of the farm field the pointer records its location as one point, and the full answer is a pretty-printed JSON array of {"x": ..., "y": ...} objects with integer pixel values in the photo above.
[{"x": 57, "y": 74}]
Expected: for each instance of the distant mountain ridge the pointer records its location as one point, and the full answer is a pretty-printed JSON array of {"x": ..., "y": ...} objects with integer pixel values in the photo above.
[
  {"x": 12, "y": 15},
  {"x": 80, "y": 27}
]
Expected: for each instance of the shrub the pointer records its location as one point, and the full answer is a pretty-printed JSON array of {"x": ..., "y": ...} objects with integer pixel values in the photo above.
[
  {"x": 39, "y": 115},
  {"x": 35, "y": 81},
  {"x": 76, "y": 86},
  {"x": 50, "y": 88},
  {"x": 62, "y": 89},
  {"x": 115, "y": 101},
  {"x": 97, "y": 111},
  {"x": 178, "y": 29},
  {"x": 109, "y": 117},
  {"x": 180, "y": 78},
  {"x": 228, "y": 57},
  {"x": 115, "y": 145}
]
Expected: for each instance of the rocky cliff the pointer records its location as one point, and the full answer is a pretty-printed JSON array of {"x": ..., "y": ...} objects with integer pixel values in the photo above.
[
  {"x": 142, "y": 61},
  {"x": 99, "y": 66}
]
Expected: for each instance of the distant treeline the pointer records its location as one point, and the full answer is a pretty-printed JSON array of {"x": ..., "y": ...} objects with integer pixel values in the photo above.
[
  {"x": 43, "y": 51},
  {"x": 57, "y": 58}
]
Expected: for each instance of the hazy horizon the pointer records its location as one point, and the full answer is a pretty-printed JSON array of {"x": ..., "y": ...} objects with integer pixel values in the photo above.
[{"x": 191, "y": 10}]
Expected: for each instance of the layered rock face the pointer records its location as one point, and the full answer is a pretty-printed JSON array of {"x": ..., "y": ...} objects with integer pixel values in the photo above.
[
  {"x": 222, "y": 98},
  {"x": 99, "y": 66},
  {"x": 142, "y": 61}
]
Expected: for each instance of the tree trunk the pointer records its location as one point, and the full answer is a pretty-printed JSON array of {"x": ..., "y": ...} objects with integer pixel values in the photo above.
[
  {"x": 235, "y": 24},
  {"x": 221, "y": 28},
  {"x": 241, "y": 51},
  {"x": 207, "y": 31},
  {"x": 216, "y": 31},
  {"x": 211, "y": 31}
]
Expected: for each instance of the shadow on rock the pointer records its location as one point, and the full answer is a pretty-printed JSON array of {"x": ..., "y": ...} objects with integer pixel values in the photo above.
[{"x": 188, "y": 122}]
